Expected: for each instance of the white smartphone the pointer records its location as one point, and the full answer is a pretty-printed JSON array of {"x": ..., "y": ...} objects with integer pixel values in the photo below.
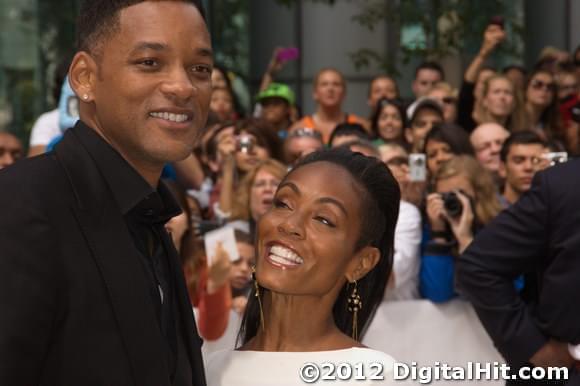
[
  {"x": 226, "y": 236},
  {"x": 417, "y": 167},
  {"x": 556, "y": 158}
]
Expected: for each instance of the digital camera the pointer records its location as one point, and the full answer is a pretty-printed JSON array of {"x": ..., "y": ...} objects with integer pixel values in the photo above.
[{"x": 452, "y": 204}]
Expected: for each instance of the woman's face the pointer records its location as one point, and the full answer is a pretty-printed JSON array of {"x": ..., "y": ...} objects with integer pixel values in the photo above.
[
  {"x": 390, "y": 123},
  {"x": 247, "y": 160},
  {"x": 221, "y": 104},
  {"x": 499, "y": 100},
  {"x": 241, "y": 272},
  {"x": 541, "y": 90},
  {"x": 437, "y": 153},
  {"x": 262, "y": 193},
  {"x": 457, "y": 182},
  {"x": 306, "y": 242}
]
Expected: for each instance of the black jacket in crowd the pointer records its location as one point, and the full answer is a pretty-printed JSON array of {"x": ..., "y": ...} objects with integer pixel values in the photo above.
[{"x": 539, "y": 235}]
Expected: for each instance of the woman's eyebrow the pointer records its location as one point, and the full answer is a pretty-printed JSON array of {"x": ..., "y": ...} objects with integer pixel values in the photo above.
[
  {"x": 291, "y": 185},
  {"x": 322, "y": 200},
  {"x": 330, "y": 200}
]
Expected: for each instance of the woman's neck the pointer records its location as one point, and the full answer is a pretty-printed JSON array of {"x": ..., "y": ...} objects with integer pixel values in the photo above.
[
  {"x": 534, "y": 113},
  {"x": 298, "y": 323},
  {"x": 499, "y": 119},
  {"x": 329, "y": 114}
]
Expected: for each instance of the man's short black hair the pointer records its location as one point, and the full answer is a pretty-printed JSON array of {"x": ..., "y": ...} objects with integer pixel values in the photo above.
[
  {"x": 430, "y": 66},
  {"x": 99, "y": 18},
  {"x": 527, "y": 137},
  {"x": 364, "y": 143},
  {"x": 343, "y": 129}
]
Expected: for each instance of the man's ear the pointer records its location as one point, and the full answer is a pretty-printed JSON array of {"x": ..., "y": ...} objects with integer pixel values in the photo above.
[
  {"x": 82, "y": 76},
  {"x": 415, "y": 87},
  {"x": 364, "y": 261}
]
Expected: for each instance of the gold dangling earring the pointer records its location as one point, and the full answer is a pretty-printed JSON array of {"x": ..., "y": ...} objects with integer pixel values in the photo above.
[
  {"x": 257, "y": 295},
  {"x": 354, "y": 305}
]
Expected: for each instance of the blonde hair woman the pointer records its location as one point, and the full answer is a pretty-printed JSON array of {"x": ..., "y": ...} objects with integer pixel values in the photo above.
[
  {"x": 256, "y": 190},
  {"x": 501, "y": 103}
]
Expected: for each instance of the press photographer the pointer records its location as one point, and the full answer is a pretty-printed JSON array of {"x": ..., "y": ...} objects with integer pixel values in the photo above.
[{"x": 463, "y": 202}]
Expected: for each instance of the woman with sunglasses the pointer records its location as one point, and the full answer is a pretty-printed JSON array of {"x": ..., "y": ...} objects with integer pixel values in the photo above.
[{"x": 542, "y": 104}]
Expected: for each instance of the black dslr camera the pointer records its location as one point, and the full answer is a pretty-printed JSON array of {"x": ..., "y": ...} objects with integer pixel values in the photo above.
[{"x": 452, "y": 204}]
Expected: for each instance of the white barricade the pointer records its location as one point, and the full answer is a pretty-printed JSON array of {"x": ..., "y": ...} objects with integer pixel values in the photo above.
[{"x": 423, "y": 332}]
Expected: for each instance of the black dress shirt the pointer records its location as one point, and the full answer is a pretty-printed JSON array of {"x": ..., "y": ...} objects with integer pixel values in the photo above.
[{"x": 145, "y": 211}]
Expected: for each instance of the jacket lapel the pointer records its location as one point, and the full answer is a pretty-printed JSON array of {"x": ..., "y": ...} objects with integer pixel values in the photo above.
[{"x": 118, "y": 262}]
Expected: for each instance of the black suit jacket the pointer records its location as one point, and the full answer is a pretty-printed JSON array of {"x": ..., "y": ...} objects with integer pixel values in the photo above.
[
  {"x": 540, "y": 234},
  {"x": 74, "y": 306}
]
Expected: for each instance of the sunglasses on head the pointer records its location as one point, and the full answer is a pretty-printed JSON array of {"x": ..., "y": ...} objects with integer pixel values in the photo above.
[
  {"x": 305, "y": 132},
  {"x": 538, "y": 84}
]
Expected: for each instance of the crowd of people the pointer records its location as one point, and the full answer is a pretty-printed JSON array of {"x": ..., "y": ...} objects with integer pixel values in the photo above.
[
  {"x": 459, "y": 156},
  {"x": 482, "y": 145}
]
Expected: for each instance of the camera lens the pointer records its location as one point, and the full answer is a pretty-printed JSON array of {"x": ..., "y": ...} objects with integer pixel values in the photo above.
[{"x": 452, "y": 204}]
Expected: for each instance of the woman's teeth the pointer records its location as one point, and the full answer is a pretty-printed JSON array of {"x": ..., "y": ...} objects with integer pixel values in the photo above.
[
  {"x": 170, "y": 117},
  {"x": 283, "y": 255}
]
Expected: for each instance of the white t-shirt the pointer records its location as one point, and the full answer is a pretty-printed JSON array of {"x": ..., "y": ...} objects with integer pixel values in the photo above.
[
  {"x": 406, "y": 261},
  {"x": 45, "y": 129},
  {"x": 260, "y": 368}
]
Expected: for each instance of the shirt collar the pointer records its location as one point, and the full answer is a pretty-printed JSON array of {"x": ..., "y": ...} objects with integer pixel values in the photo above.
[{"x": 128, "y": 187}]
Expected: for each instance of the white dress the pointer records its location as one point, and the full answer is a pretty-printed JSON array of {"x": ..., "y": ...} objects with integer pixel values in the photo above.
[{"x": 261, "y": 368}]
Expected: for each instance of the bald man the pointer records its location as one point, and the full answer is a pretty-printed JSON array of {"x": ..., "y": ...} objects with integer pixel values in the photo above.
[
  {"x": 487, "y": 140},
  {"x": 11, "y": 149}
]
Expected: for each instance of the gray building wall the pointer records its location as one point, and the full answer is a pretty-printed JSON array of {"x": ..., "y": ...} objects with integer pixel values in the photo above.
[
  {"x": 551, "y": 23},
  {"x": 326, "y": 36}
]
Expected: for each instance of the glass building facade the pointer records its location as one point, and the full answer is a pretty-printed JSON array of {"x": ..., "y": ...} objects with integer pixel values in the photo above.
[{"x": 36, "y": 34}]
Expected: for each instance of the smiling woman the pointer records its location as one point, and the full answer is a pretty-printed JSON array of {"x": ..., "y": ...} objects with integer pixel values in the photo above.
[{"x": 324, "y": 254}]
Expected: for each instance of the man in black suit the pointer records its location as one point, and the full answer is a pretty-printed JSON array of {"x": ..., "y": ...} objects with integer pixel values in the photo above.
[
  {"x": 91, "y": 288},
  {"x": 539, "y": 234}
]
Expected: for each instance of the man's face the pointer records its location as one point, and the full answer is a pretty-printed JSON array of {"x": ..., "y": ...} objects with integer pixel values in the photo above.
[
  {"x": 421, "y": 125},
  {"x": 382, "y": 88},
  {"x": 567, "y": 85},
  {"x": 152, "y": 88},
  {"x": 522, "y": 162},
  {"x": 10, "y": 149},
  {"x": 487, "y": 140},
  {"x": 329, "y": 90},
  {"x": 296, "y": 148},
  {"x": 275, "y": 110},
  {"x": 425, "y": 80}
]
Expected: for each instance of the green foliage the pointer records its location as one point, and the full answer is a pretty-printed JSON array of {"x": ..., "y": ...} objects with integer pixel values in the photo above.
[{"x": 432, "y": 28}]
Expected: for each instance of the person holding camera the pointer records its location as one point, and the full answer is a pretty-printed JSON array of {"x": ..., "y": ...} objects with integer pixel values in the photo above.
[
  {"x": 465, "y": 199},
  {"x": 247, "y": 144}
]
